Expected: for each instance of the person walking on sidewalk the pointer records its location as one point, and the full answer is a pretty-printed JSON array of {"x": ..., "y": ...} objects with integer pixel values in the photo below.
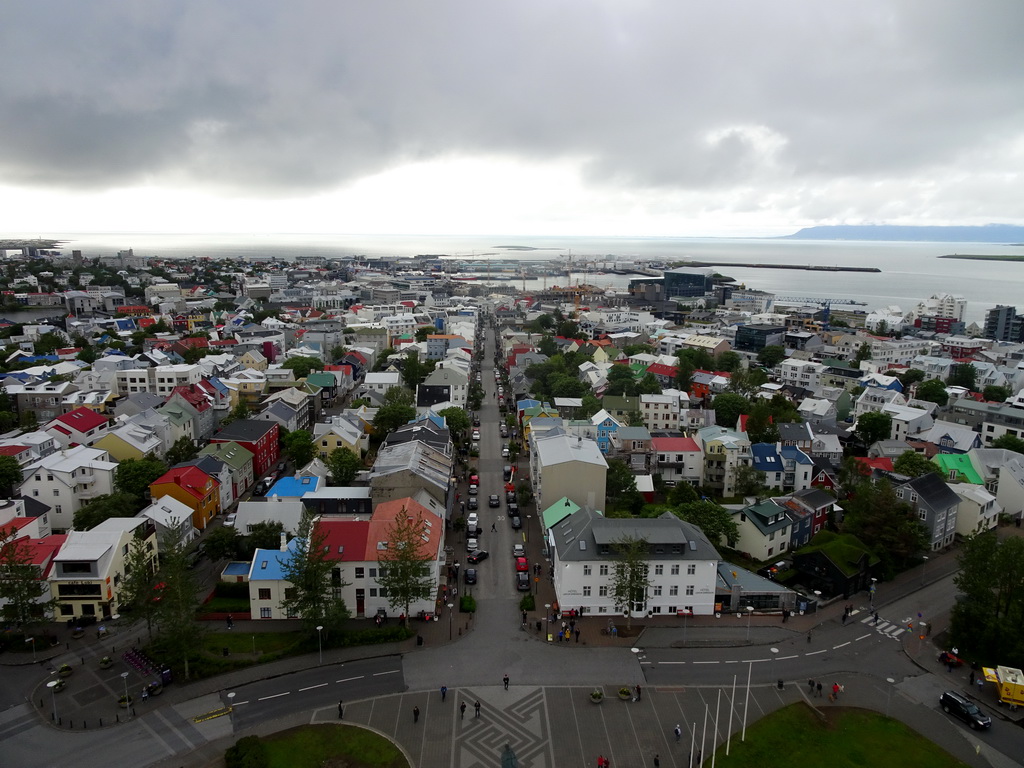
[
  {"x": 415, "y": 714},
  {"x": 476, "y": 706},
  {"x": 444, "y": 692},
  {"x": 462, "y": 711},
  {"x": 341, "y": 709},
  {"x": 678, "y": 732},
  {"x": 505, "y": 681},
  {"x": 818, "y": 688},
  {"x": 638, "y": 691}
]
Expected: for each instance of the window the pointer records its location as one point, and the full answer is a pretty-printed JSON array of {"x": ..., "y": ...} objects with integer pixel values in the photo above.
[
  {"x": 657, "y": 590},
  {"x": 689, "y": 589},
  {"x": 691, "y": 569},
  {"x": 265, "y": 613},
  {"x": 360, "y": 573},
  {"x": 264, "y": 594},
  {"x": 673, "y": 590},
  {"x": 659, "y": 570},
  {"x": 602, "y": 591},
  {"x": 57, "y": 508},
  {"x": 603, "y": 570},
  {"x": 675, "y": 570},
  {"x": 586, "y": 591},
  {"x": 373, "y": 573},
  {"x": 56, "y": 492},
  {"x": 586, "y": 570}
]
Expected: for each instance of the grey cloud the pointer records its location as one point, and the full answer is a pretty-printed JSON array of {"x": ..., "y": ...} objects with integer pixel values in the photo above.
[{"x": 287, "y": 98}]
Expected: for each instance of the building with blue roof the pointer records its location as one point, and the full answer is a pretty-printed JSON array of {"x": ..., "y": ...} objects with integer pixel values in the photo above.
[
  {"x": 268, "y": 581},
  {"x": 785, "y": 468},
  {"x": 295, "y": 487}
]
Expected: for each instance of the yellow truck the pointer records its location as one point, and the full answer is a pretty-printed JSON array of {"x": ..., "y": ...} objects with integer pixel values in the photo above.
[{"x": 1009, "y": 684}]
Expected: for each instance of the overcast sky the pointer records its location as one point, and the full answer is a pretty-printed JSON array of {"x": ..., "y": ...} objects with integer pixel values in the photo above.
[{"x": 570, "y": 117}]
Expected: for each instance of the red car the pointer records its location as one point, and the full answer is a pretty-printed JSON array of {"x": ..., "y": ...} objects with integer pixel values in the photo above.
[{"x": 522, "y": 564}]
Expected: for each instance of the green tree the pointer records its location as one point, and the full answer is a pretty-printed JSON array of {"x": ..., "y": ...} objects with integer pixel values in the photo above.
[
  {"x": 696, "y": 358},
  {"x": 344, "y": 465},
  {"x": 134, "y": 476},
  {"x": 728, "y": 361},
  {"x": 933, "y": 391},
  {"x": 648, "y": 385},
  {"x": 265, "y": 534},
  {"x": 316, "y": 584},
  {"x": 404, "y": 573},
  {"x": 620, "y": 381},
  {"x": 873, "y": 426},
  {"x": 964, "y": 375},
  {"x": 547, "y": 346},
  {"x": 684, "y": 374},
  {"x": 630, "y": 576},
  {"x": 771, "y": 355},
  {"x": 135, "y": 596},
  {"x": 223, "y": 543},
  {"x": 301, "y": 366},
  {"x": 182, "y": 450},
  {"x": 990, "y": 614},
  {"x": 761, "y": 427},
  {"x": 299, "y": 448},
  {"x": 637, "y": 349},
  {"x": 996, "y": 394},
  {"x": 179, "y": 633},
  {"x": 728, "y": 408},
  {"x": 863, "y": 353},
  {"x": 750, "y": 482},
  {"x": 569, "y": 329},
  {"x": 910, "y": 376},
  {"x": 49, "y": 343},
  {"x": 1009, "y": 442},
  {"x": 456, "y": 419},
  {"x": 715, "y": 520},
  {"x": 880, "y": 519},
  {"x": 682, "y": 493},
  {"x": 414, "y": 371},
  {"x": 589, "y": 407},
  {"x": 22, "y": 588},
  {"x": 396, "y": 411},
  {"x": 104, "y": 507},
  {"x": 383, "y": 360},
  {"x": 10, "y": 474},
  {"x": 746, "y": 381},
  {"x": 913, "y": 464},
  {"x": 621, "y": 494},
  {"x": 338, "y": 353}
]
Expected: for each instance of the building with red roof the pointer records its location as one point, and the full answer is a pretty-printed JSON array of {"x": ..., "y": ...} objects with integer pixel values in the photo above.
[
  {"x": 81, "y": 426},
  {"x": 194, "y": 488},
  {"x": 678, "y": 460}
]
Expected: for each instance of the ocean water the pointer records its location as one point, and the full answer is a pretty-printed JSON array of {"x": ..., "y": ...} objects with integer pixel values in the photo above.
[{"x": 910, "y": 270}]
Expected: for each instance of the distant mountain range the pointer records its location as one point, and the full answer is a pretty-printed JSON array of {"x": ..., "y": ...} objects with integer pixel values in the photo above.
[{"x": 988, "y": 233}]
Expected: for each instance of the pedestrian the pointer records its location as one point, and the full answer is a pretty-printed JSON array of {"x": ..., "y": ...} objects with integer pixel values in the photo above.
[
  {"x": 505, "y": 681},
  {"x": 559, "y": 635},
  {"x": 810, "y": 685},
  {"x": 972, "y": 677},
  {"x": 844, "y": 619},
  {"x": 462, "y": 711},
  {"x": 524, "y": 618},
  {"x": 145, "y": 694},
  {"x": 600, "y": 761},
  {"x": 808, "y": 638},
  {"x": 657, "y": 761},
  {"x": 638, "y": 692},
  {"x": 818, "y": 687},
  {"x": 444, "y": 692},
  {"x": 415, "y": 714},
  {"x": 876, "y": 618},
  {"x": 476, "y": 706},
  {"x": 678, "y": 732},
  {"x": 341, "y": 709},
  {"x": 230, "y": 621},
  {"x": 493, "y": 528},
  {"x": 835, "y": 690},
  {"x": 981, "y": 683},
  {"x": 577, "y": 634}
]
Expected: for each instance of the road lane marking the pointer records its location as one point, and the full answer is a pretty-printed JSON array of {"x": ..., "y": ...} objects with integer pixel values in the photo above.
[
  {"x": 389, "y": 672},
  {"x": 783, "y": 658},
  {"x": 814, "y": 653},
  {"x": 276, "y": 695},
  {"x": 350, "y": 679},
  {"x": 706, "y": 662},
  {"x": 239, "y": 703},
  {"x": 311, "y": 687},
  {"x": 862, "y": 637},
  {"x": 841, "y": 645},
  {"x": 671, "y": 662}
]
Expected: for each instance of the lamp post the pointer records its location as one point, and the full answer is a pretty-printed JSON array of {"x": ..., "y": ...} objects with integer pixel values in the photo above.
[
  {"x": 924, "y": 569},
  {"x": 320, "y": 642},
  {"x": 450, "y": 606},
  {"x": 874, "y": 581},
  {"x": 547, "y": 621},
  {"x": 52, "y": 685},
  {"x": 775, "y": 653},
  {"x": 528, "y": 519},
  {"x": 888, "y": 693},
  {"x": 33, "y": 641},
  {"x": 127, "y": 699},
  {"x": 231, "y": 700},
  {"x": 750, "y": 612}
]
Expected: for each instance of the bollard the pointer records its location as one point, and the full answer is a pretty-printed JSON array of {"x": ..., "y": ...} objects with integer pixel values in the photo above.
[
  {"x": 117, "y": 717},
  {"x": 781, "y": 685},
  {"x": 60, "y": 721},
  {"x": 71, "y": 724},
  {"x": 82, "y": 659},
  {"x": 101, "y": 722},
  {"x": 41, "y": 704}
]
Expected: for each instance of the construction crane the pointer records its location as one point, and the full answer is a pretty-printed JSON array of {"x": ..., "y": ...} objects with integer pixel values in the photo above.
[{"x": 825, "y": 304}]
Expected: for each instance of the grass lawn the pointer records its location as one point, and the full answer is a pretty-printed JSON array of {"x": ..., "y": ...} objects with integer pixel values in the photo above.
[
  {"x": 313, "y": 746},
  {"x": 241, "y": 642},
  {"x": 849, "y": 738}
]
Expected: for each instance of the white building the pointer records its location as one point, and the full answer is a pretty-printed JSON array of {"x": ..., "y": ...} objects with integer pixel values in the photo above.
[{"x": 66, "y": 480}]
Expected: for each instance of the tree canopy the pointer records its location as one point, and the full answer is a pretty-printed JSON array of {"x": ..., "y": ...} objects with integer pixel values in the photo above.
[
  {"x": 21, "y": 588},
  {"x": 182, "y": 450},
  {"x": 932, "y": 391},
  {"x": 456, "y": 419},
  {"x": 728, "y": 408},
  {"x": 299, "y": 448},
  {"x": 1009, "y": 442},
  {"x": 887, "y": 524},
  {"x": 404, "y": 573},
  {"x": 715, "y": 520},
  {"x": 315, "y": 583},
  {"x": 873, "y": 426},
  {"x": 10, "y": 474},
  {"x": 301, "y": 366},
  {"x": 964, "y": 375},
  {"x": 134, "y": 476},
  {"x": 396, "y": 410},
  {"x": 104, "y": 507},
  {"x": 771, "y": 355},
  {"x": 913, "y": 464},
  {"x": 344, "y": 465},
  {"x": 621, "y": 495},
  {"x": 630, "y": 576}
]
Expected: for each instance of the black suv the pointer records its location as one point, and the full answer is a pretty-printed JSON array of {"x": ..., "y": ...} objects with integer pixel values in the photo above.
[{"x": 960, "y": 706}]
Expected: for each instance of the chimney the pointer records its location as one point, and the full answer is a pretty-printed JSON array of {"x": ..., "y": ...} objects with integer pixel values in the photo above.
[{"x": 284, "y": 541}]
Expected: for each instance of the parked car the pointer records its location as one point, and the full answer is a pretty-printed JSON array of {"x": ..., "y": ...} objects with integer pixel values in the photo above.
[
  {"x": 493, "y": 500},
  {"x": 472, "y": 503},
  {"x": 281, "y": 467},
  {"x": 476, "y": 434},
  {"x": 473, "y": 522},
  {"x": 522, "y": 564},
  {"x": 504, "y": 452},
  {"x": 476, "y": 421},
  {"x": 965, "y": 709},
  {"x": 513, "y": 508},
  {"x": 473, "y": 489},
  {"x": 504, "y": 431},
  {"x": 523, "y": 582},
  {"x": 517, "y": 522},
  {"x": 229, "y": 521},
  {"x": 469, "y": 575},
  {"x": 477, "y": 556},
  {"x": 518, "y": 550},
  {"x": 472, "y": 544}
]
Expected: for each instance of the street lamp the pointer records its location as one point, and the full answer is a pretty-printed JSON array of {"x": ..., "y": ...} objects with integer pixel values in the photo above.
[
  {"x": 528, "y": 519},
  {"x": 888, "y": 693},
  {"x": 547, "y": 621},
  {"x": 33, "y": 641},
  {"x": 127, "y": 699},
  {"x": 450, "y": 606},
  {"x": 231, "y": 700},
  {"x": 750, "y": 612},
  {"x": 320, "y": 642},
  {"x": 924, "y": 568},
  {"x": 874, "y": 581},
  {"x": 775, "y": 653},
  {"x": 52, "y": 685}
]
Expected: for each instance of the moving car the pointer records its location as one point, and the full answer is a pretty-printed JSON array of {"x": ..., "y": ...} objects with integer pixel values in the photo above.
[
  {"x": 477, "y": 556},
  {"x": 522, "y": 564},
  {"x": 523, "y": 582},
  {"x": 518, "y": 550},
  {"x": 469, "y": 575},
  {"x": 493, "y": 500},
  {"x": 965, "y": 709}
]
